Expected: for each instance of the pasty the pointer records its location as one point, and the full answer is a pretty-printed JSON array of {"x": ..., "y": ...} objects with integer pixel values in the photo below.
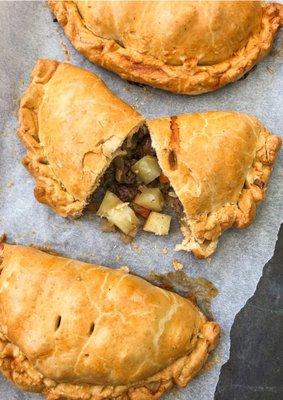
[
  {"x": 85, "y": 332},
  {"x": 218, "y": 164},
  {"x": 183, "y": 46},
  {"x": 87, "y": 146},
  {"x": 72, "y": 127}
]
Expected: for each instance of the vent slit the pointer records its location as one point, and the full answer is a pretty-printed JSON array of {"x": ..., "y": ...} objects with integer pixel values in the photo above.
[
  {"x": 58, "y": 323},
  {"x": 91, "y": 329}
]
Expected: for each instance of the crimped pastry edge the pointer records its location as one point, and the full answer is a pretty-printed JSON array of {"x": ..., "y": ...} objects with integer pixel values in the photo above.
[
  {"x": 186, "y": 79},
  {"x": 208, "y": 228},
  {"x": 48, "y": 189},
  {"x": 17, "y": 368}
]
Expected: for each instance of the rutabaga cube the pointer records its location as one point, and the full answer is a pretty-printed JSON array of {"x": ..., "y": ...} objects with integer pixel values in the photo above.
[
  {"x": 157, "y": 223},
  {"x": 150, "y": 198},
  {"x": 123, "y": 217},
  {"x": 109, "y": 201},
  {"x": 147, "y": 169}
]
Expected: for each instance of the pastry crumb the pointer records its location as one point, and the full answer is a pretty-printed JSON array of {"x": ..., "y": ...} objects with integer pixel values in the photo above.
[
  {"x": 164, "y": 250},
  {"x": 177, "y": 265},
  {"x": 118, "y": 258},
  {"x": 66, "y": 52},
  {"x": 125, "y": 268},
  {"x": 136, "y": 248},
  {"x": 10, "y": 184}
]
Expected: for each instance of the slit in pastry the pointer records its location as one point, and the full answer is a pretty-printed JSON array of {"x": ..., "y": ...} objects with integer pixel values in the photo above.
[
  {"x": 221, "y": 167},
  {"x": 79, "y": 331}
]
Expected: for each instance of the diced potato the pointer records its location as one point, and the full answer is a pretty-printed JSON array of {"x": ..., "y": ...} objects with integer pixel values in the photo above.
[
  {"x": 123, "y": 217},
  {"x": 109, "y": 201},
  {"x": 147, "y": 169},
  {"x": 150, "y": 198},
  {"x": 157, "y": 223}
]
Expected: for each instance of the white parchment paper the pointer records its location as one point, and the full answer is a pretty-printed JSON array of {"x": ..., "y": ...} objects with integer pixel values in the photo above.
[{"x": 27, "y": 32}]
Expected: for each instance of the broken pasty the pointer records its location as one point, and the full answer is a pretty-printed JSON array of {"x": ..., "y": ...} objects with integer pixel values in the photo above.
[
  {"x": 87, "y": 146},
  {"x": 72, "y": 127},
  {"x": 79, "y": 331},
  {"x": 186, "y": 47},
  {"x": 218, "y": 164}
]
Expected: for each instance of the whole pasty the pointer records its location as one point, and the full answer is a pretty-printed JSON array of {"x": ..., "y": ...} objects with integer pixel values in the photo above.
[
  {"x": 79, "y": 331},
  {"x": 218, "y": 164},
  {"x": 72, "y": 126},
  {"x": 182, "y": 46}
]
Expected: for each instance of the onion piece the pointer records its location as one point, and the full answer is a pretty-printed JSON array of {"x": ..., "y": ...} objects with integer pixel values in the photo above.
[
  {"x": 124, "y": 218},
  {"x": 150, "y": 198},
  {"x": 157, "y": 223},
  {"x": 109, "y": 201},
  {"x": 147, "y": 169}
]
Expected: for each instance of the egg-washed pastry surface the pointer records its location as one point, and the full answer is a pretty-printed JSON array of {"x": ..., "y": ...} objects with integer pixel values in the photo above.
[
  {"x": 218, "y": 164},
  {"x": 72, "y": 126},
  {"x": 186, "y": 47},
  {"x": 85, "y": 146},
  {"x": 79, "y": 331}
]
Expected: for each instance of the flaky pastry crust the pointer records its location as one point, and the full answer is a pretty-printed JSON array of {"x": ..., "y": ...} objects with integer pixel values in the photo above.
[
  {"x": 218, "y": 163},
  {"x": 77, "y": 331},
  {"x": 184, "y": 47},
  {"x": 72, "y": 127}
]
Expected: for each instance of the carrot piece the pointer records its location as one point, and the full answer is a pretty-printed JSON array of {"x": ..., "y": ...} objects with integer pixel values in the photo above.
[
  {"x": 163, "y": 178},
  {"x": 144, "y": 212}
]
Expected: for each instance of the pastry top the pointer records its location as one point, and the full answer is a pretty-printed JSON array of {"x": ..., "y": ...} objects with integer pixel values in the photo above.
[
  {"x": 78, "y": 323},
  {"x": 170, "y": 31},
  {"x": 212, "y": 159},
  {"x": 185, "y": 47},
  {"x": 72, "y": 126}
]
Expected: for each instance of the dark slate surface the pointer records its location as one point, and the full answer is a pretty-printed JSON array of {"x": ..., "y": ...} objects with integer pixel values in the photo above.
[{"x": 255, "y": 368}]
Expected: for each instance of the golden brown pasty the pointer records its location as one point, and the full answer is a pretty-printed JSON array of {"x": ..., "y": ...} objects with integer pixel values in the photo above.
[
  {"x": 80, "y": 136},
  {"x": 72, "y": 126},
  {"x": 218, "y": 164},
  {"x": 185, "y": 47},
  {"x": 79, "y": 331}
]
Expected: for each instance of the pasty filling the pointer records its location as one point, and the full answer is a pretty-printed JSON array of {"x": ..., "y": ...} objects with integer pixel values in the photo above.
[{"x": 134, "y": 192}]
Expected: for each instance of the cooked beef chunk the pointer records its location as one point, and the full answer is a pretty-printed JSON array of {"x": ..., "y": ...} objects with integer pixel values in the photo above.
[
  {"x": 126, "y": 193},
  {"x": 123, "y": 173},
  {"x": 144, "y": 148},
  {"x": 165, "y": 188},
  {"x": 108, "y": 178},
  {"x": 177, "y": 205}
]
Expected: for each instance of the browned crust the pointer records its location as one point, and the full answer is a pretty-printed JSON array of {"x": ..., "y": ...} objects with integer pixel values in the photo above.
[
  {"x": 188, "y": 78},
  {"x": 48, "y": 189},
  {"x": 18, "y": 369},
  {"x": 208, "y": 228},
  {"x": 202, "y": 229}
]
